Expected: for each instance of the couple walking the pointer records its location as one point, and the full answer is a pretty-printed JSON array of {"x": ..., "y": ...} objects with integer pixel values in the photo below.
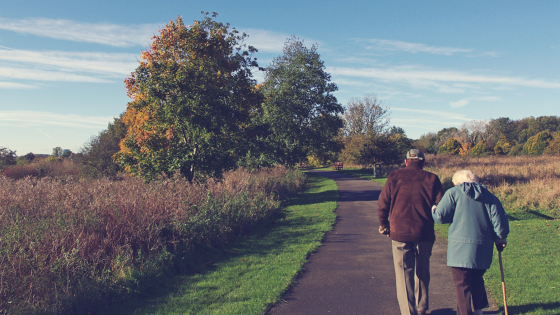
[{"x": 411, "y": 200}]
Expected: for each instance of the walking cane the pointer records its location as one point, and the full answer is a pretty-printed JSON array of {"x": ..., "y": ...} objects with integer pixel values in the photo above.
[{"x": 502, "y": 273}]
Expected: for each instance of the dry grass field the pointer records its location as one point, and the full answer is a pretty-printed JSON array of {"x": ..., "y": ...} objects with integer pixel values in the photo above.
[{"x": 529, "y": 184}]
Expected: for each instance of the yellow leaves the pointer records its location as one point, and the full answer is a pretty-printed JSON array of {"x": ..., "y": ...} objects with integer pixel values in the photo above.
[{"x": 465, "y": 148}]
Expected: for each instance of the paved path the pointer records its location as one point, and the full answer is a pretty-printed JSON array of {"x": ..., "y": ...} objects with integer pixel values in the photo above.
[{"x": 352, "y": 273}]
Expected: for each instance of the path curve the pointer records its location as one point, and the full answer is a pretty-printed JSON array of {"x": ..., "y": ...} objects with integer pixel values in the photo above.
[{"x": 352, "y": 273}]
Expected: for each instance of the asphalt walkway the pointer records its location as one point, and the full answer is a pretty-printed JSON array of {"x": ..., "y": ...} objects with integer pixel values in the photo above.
[{"x": 352, "y": 273}]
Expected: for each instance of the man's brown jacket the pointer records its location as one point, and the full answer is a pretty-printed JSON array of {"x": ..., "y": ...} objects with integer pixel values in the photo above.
[{"x": 406, "y": 201}]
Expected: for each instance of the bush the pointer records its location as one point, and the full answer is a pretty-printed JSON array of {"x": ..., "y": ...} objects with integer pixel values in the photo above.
[
  {"x": 452, "y": 146},
  {"x": 536, "y": 144},
  {"x": 554, "y": 146},
  {"x": 21, "y": 171},
  {"x": 516, "y": 150},
  {"x": 480, "y": 149}
]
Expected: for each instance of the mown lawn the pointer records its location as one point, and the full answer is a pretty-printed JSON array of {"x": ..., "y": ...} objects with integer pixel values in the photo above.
[{"x": 251, "y": 274}]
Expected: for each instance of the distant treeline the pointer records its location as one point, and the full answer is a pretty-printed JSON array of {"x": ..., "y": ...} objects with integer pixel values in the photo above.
[{"x": 501, "y": 136}]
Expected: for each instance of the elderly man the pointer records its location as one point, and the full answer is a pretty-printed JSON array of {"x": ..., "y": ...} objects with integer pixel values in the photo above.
[{"x": 405, "y": 216}]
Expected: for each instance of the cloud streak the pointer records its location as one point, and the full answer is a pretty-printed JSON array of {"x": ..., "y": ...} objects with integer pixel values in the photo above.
[
  {"x": 98, "y": 33},
  {"x": 266, "y": 41},
  {"x": 414, "y": 76},
  {"x": 107, "y": 63},
  {"x": 37, "y": 118},
  {"x": 397, "y": 45},
  {"x": 15, "y": 86},
  {"x": 42, "y": 75},
  {"x": 467, "y": 101}
]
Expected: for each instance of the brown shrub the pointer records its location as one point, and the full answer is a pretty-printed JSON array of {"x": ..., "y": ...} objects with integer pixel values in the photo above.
[{"x": 20, "y": 171}]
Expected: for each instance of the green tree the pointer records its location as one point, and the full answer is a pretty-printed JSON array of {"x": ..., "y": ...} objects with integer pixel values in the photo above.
[
  {"x": 450, "y": 146},
  {"x": 503, "y": 126},
  {"x": 98, "y": 152},
  {"x": 502, "y": 147},
  {"x": 7, "y": 157},
  {"x": 192, "y": 99},
  {"x": 427, "y": 143},
  {"x": 480, "y": 149},
  {"x": 554, "y": 146},
  {"x": 385, "y": 148},
  {"x": 300, "y": 108}
]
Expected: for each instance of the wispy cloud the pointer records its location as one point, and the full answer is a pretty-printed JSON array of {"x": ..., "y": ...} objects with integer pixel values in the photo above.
[
  {"x": 427, "y": 120},
  {"x": 99, "y": 33},
  {"x": 423, "y": 76},
  {"x": 266, "y": 41},
  {"x": 397, "y": 45},
  {"x": 42, "y": 75},
  {"x": 14, "y": 86},
  {"x": 36, "y": 118},
  {"x": 467, "y": 101},
  {"x": 107, "y": 63}
]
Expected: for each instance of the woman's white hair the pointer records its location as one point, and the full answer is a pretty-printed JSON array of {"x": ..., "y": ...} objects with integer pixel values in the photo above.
[{"x": 464, "y": 176}]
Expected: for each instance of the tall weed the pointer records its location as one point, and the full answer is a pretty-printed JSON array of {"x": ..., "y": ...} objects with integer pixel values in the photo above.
[{"x": 69, "y": 246}]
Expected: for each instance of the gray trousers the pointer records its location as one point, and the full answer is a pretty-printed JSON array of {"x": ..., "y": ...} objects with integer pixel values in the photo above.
[{"x": 412, "y": 271}]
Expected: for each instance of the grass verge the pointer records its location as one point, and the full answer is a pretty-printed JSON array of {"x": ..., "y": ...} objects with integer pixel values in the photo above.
[
  {"x": 531, "y": 268},
  {"x": 252, "y": 273}
]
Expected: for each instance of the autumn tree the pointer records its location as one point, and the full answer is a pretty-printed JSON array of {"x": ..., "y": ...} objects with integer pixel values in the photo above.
[
  {"x": 192, "y": 99},
  {"x": 452, "y": 146},
  {"x": 300, "y": 108}
]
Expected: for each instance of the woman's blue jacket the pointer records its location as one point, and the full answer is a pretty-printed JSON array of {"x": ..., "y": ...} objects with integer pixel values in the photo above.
[{"x": 477, "y": 219}]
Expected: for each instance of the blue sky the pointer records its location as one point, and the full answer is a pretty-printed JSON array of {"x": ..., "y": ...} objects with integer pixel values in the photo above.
[{"x": 435, "y": 64}]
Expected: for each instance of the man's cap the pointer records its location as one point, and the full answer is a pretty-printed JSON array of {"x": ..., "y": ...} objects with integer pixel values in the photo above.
[{"x": 414, "y": 154}]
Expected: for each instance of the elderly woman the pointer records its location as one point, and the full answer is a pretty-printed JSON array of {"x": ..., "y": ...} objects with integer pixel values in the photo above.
[{"x": 478, "y": 220}]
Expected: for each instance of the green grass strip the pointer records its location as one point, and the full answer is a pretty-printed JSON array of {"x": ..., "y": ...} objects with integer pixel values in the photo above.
[
  {"x": 531, "y": 269},
  {"x": 250, "y": 275}
]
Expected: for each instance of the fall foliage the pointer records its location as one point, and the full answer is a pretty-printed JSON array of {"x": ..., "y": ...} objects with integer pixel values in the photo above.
[{"x": 192, "y": 99}]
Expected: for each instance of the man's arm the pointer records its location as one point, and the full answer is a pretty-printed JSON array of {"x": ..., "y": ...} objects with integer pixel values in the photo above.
[{"x": 384, "y": 206}]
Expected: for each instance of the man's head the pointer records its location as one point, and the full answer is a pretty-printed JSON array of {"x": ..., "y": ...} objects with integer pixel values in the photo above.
[{"x": 415, "y": 157}]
